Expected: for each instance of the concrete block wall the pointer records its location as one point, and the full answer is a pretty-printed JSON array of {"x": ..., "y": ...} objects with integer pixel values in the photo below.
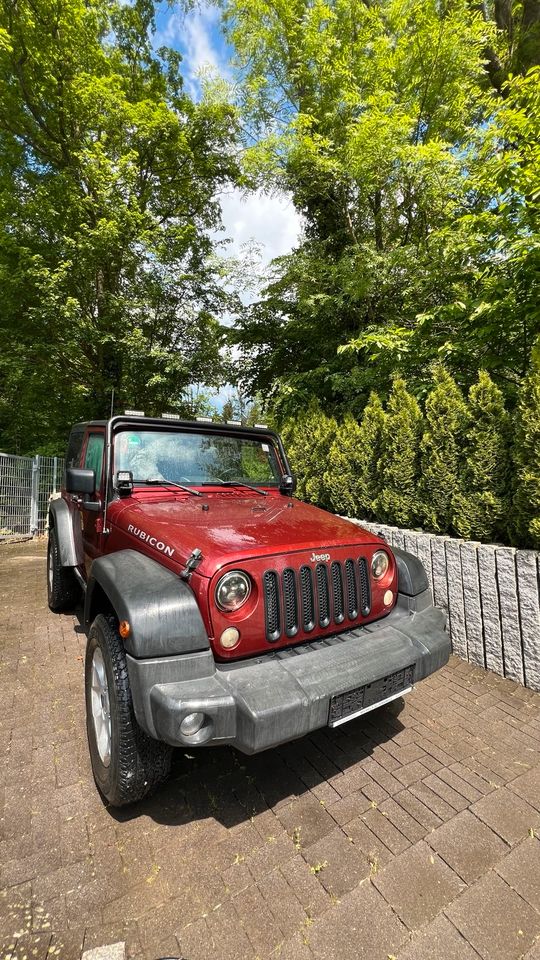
[{"x": 491, "y": 595}]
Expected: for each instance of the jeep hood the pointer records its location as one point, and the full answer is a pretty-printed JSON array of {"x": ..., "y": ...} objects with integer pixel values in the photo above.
[{"x": 231, "y": 530}]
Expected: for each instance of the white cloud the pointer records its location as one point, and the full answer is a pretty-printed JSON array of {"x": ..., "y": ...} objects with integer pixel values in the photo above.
[
  {"x": 196, "y": 35},
  {"x": 270, "y": 220}
]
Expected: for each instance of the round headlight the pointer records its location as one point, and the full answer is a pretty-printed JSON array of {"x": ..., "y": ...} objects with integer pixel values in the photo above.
[
  {"x": 232, "y": 591},
  {"x": 379, "y": 564}
]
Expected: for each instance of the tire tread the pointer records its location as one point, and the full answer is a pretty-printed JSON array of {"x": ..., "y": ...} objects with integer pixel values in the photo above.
[
  {"x": 65, "y": 591},
  {"x": 142, "y": 762}
]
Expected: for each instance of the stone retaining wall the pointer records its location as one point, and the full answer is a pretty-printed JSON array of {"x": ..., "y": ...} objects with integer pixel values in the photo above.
[{"x": 491, "y": 595}]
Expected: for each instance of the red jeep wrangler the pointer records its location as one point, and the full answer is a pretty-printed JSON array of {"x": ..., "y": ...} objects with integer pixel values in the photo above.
[{"x": 219, "y": 608}]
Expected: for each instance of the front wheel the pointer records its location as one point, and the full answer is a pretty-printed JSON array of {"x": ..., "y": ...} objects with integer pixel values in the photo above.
[
  {"x": 127, "y": 764},
  {"x": 63, "y": 591}
]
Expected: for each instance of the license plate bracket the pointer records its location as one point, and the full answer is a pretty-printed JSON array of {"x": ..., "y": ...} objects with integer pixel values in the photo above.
[{"x": 359, "y": 700}]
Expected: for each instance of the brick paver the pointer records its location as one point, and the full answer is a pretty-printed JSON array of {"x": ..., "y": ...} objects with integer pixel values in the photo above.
[{"x": 410, "y": 833}]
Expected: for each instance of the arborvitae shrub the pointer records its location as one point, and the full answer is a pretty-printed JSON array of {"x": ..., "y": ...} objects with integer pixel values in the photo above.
[
  {"x": 526, "y": 512},
  {"x": 397, "y": 501},
  {"x": 442, "y": 451},
  {"x": 480, "y": 505},
  {"x": 307, "y": 441},
  {"x": 352, "y": 477}
]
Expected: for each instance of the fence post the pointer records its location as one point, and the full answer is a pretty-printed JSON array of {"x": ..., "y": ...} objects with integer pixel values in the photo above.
[
  {"x": 55, "y": 467},
  {"x": 34, "y": 496}
]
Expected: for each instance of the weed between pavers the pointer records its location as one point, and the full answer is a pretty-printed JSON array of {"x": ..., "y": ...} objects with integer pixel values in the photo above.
[{"x": 317, "y": 867}]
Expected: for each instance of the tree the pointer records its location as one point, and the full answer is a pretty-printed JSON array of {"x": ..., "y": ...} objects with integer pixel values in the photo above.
[
  {"x": 491, "y": 318},
  {"x": 407, "y": 135},
  {"x": 108, "y": 179},
  {"x": 526, "y": 505},
  {"x": 228, "y": 410},
  {"x": 399, "y": 467},
  {"x": 480, "y": 505},
  {"x": 307, "y": 440},
  {"x": 353, "y": 476},
  {"x": 441, "y": 451}
]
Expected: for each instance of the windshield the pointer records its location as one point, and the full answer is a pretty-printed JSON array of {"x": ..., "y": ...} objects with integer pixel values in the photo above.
[{"x": 195, "y": 458}]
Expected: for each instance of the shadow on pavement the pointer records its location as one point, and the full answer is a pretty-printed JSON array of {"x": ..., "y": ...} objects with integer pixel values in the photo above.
[{"x": 224, "y": 784}]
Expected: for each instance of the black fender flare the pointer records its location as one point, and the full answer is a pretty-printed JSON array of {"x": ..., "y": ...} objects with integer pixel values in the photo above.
[
  {"x": 161, "y": 609},
  {"x": 66, "y": 522},
  {"x": 412, "y": 577}
]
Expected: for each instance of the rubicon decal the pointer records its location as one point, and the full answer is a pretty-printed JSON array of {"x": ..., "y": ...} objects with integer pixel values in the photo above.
[
  {"x": 317, "y": 557},
  {"x": 153, "y": 541}
]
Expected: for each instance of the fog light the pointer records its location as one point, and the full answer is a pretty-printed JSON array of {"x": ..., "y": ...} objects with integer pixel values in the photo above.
[
  {"x": 388, "y": 598},
  {"x": 191, "y": 724},
  {"x": 229, "y": 638}
]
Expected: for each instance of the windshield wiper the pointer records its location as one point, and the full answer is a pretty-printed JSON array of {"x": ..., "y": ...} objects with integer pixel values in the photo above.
[
  {"x": 235, "y": 483},
  {"x": 154, "y": 481}
]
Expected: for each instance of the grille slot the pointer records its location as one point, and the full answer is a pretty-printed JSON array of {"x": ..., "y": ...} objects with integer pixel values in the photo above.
[
  {"x": 290, "y": 603},
  {"x": 322, "y": 595},
  {"x": 365, "y": 587},
  {"x": 308, "y": 605},
  {"x": 271, "y": 606},
  {"x": 352, "y": 590},
  {"x": 337, "y": 590}
]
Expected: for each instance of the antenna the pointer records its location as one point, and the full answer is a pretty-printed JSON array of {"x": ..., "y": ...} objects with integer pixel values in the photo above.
[{"x": 112, "y": 402}]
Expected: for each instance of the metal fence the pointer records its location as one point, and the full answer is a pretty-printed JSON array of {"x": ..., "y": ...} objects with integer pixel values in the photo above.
[{"x": 26, "y": 483}]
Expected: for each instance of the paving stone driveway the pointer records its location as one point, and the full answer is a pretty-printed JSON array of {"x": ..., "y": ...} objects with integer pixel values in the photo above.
[{"x": 412, "y": 834}]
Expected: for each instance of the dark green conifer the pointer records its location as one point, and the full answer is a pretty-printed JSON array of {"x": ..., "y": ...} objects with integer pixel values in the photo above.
[
  {"x": 397, "y": 501},
  {"x": 352, "y": 478},
  {"x": 308, "y": 439},
  {"x": 526, "y": 512},
  {"x": 442, "y": 451},
  {"x": 480, "y": 504}
]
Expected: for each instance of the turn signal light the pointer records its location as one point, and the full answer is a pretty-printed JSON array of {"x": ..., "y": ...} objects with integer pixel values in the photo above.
[
  {"x": 388, "y": 598},
  {"x": 124, "y": 629},
  {"x": 229, "y": 638}
]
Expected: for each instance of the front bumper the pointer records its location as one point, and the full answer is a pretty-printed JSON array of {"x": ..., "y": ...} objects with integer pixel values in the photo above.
[{"x": 280, "y": 696}]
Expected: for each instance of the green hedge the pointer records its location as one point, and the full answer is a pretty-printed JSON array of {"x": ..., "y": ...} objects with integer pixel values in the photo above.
[{"x": 463, "y": 466}]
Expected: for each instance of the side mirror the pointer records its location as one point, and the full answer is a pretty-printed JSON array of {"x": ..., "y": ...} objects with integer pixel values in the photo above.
[
  {"x": 287, "y": 484},
  {"x": 80, "y": 481}
]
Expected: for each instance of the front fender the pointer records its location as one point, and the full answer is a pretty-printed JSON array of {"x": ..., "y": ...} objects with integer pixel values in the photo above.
[
  {"x": 412, "y": 577},
  {"x": 160, "y": 608},
  {"x": 67, "y": 524}
]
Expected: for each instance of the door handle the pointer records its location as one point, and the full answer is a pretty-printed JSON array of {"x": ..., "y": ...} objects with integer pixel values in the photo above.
[{"x": 93, "y": 506}]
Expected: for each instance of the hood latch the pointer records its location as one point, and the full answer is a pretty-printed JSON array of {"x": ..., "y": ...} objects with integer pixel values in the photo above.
[{"x": 192, "y": 563}]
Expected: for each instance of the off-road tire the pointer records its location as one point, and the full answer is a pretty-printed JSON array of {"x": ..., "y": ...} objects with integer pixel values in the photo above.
[
  {"x": 63, "y": 591},
  {"x": 138, "y": 763}
]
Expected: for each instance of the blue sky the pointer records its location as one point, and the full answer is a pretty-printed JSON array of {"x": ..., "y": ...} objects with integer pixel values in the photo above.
[{"x": 270, "y": 221}]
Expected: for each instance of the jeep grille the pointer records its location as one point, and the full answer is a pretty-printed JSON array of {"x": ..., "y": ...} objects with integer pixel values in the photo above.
[{"x": 315, "y": 597}]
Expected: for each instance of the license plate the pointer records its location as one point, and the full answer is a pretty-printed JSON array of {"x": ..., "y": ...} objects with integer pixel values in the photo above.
[{"x": 353, "y": 703}]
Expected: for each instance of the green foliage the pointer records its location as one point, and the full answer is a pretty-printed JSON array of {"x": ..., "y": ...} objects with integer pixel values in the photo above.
[
  {"x": 526, "y": 506},
  {"x": 108, "y": 179},
  {"x": 480, "y": 505},
  {"x": 407, "y": 135},
  {"x": 441, "y": 450},
  {"x": 308, "y": 439},
  {"x": 352, "y": 478},
  {"x": 452, "y": 467},
  {"x": 399, "y": 468}
]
